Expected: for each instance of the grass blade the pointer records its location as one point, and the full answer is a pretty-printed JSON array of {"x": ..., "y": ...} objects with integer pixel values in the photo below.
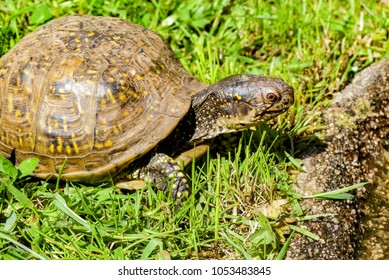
[
  {"x": 148, "y": 250},
  {"x": 61, "y": 204},
  {"x": 338, "y": 194},
  {"x": 284, "y": 249},
  {"x": 311, "y": 217},
  {"x": 23, "y": 199},
  {"x": 20, "y": 245},
  {"x": 305, "y": 232},
  {"x": 236, "y": 246},
  {"x": 10, "y": 223}
]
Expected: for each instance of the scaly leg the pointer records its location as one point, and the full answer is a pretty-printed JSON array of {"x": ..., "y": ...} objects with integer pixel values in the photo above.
[{"x": 160, "y": 168}]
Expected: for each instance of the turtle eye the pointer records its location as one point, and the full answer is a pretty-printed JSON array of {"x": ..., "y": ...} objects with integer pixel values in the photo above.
[{"x": 272, "y": 97}]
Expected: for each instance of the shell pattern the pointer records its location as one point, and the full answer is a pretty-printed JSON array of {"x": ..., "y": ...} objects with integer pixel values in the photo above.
[{"x": 97, "y": 92}]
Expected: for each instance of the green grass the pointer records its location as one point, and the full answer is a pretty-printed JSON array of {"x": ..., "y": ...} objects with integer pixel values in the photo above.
[{"x": 241, "y": 202}]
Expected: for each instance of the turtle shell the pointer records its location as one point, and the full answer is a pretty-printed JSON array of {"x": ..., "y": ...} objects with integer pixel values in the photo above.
[{"x": 90, "y": 95}]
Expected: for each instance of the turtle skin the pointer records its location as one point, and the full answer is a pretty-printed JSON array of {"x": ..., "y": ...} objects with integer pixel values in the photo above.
[{"x": 99, "y": 98}]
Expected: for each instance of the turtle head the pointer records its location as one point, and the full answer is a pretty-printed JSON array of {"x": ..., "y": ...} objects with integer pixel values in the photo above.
[{"x": 239, "y": 102}]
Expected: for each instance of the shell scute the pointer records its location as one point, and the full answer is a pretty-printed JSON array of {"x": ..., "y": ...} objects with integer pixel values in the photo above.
[{"x": 90, "y": 95}]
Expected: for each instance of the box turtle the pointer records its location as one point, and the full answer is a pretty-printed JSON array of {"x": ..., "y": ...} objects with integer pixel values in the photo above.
[{"x": 103, "y": 98}]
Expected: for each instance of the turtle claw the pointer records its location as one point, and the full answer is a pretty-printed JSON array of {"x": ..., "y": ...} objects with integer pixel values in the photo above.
[
  {"x": 180, "y": 187},
  {"x": 160, "y": 170}
]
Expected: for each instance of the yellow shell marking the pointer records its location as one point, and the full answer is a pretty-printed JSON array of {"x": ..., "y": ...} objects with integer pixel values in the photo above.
[
  {"x": 108, "y": 143},
  {"x": 10, "y": 103},
  {"x": 99, "y": 145},
  {"x": 18, "y": 80},
  {"x": 56, "y": 124},
  {"x": 76, "y": 149},
  {"x": 115, "y": 43},
  {"x": 65, "y": 125},
  {"x": 87, "y": 146},
  {"x": 60, "y": 146},
  {"x": 27, "y": 89},
  {"x": 18, "y": 114},
  {"x": 122, "y": 97},
  {"x": 26, "y": 72},
  {"x": 116, "y": 130},
  {"x": 92, "y": 72},
  {"x": 110, "y": 95}
]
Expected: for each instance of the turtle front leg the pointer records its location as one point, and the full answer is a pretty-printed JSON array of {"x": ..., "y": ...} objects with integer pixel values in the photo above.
[{"x": 158, "y": 171}]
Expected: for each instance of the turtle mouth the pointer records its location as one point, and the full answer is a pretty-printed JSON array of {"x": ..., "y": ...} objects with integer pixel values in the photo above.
[
  {"x": 268, "y": 113},
  {"x": 259, "y": 118},
  {"x": 251, "y": 115},
  {"x": 275, "y": 112}
]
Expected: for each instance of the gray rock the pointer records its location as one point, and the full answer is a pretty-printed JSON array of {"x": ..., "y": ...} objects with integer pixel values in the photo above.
[{"x": 353, "y": 149}]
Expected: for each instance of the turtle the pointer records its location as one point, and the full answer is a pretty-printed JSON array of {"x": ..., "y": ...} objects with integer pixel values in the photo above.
[{"x": 99, "y": 99}]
